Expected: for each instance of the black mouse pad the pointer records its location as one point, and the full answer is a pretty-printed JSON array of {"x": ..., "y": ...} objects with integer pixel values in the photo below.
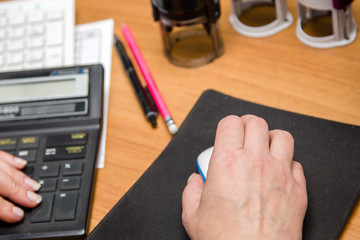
[{"x": 329, "y": 152}]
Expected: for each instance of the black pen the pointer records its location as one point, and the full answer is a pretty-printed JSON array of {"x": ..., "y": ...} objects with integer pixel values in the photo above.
[{"x": 149, "y": 111}]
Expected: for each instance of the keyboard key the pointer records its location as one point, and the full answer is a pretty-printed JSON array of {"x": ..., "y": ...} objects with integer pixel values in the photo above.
[
  {"x": 16, "y": 67},
  {"x": 72, "y": 183},
  {"x": 34, "y": 55},
  {"x": 2, "y": 21},
  {"x": 55, "y": 15},
  {"x": 35, "y": 29},
  {"x": 35, "y": 42},
  {"x": 54, "y": 33},
  {"x": 16, "y": 19},
  {"x": 29, "y": 142},
  {"x": 28, "y": 155},
  {"x": 16, "y": 32},
  {"x": 42, "y": 213},
  {"x": 33, "y": 65},
  {"x": 67, "y": 139},
  {"x": 7, "y": 143},
  {"x": 14, "y": 58},
  {"x": 36, "y": 17},
  {"x": 62, "y": 153},
  {"x": 74, "y": 168},
  {"x": 48, "y": 184},
  {"x": 49, "y": 170},
  {"x": 53, "y": 56},
  {"x": 65, "y": 208},
  {"x": 15, "y": 45}
]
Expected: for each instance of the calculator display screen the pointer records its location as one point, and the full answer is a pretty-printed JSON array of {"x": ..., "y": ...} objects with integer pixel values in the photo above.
[
  {"x": 36, "y": 90},
  {"x": 44, "y": 88}
]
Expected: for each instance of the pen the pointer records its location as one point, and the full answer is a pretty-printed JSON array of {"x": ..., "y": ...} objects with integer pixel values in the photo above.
[
  {"x": 139, "y": 90},
  {"x": 155, "y": 93}
]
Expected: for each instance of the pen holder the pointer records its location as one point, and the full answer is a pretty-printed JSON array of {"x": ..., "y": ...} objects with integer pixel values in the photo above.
[
  {"x": 260, "y": 18},
  {"x": 189, "y": 30},
  {"x": 326, "y": 23}
]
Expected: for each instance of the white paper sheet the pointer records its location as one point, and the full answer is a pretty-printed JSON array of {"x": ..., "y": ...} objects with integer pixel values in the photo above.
[{"x": 93, "y": 44}]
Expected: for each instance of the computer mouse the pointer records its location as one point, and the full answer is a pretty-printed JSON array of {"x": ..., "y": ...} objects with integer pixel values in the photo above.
[{"x": 203, "y": 161}]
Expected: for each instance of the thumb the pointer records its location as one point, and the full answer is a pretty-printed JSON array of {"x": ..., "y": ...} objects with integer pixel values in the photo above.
[{"x": 190, "y": 202}]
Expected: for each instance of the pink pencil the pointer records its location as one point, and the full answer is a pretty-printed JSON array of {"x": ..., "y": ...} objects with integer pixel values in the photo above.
[{"x": 154, "y": 91}]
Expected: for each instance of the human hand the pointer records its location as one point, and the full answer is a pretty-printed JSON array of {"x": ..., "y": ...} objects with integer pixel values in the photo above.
[
  {"x": 15, "y": 187},
  {"x": 253, "y": 189}
]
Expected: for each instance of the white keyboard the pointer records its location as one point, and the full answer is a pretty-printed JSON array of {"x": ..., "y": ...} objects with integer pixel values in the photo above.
[{"x": 36, "y": 34}]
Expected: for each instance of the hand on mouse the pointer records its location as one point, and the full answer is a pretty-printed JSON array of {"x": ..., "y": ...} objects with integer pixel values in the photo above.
[
  {"x": 15, "y": 187},
  {"x": 254, "y": 189}
]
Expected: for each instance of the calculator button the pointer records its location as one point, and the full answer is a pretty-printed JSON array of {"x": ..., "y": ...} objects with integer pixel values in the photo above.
[
  {"x": 66, "y": 204},
  {"x": 59, "y": 153},
  {"x": 42, "y": 213},
  {"x": 7, "y": 143},
  {"x": 71, "y": 183},
  {"x": 67, "y": 139},
  {"x": 29, "y": 142},
  {"x": 28, "y": 155},
  {"x": 48, "y": 184},
  {"x": 74, "y": 168},
  {"x": 28, "y": 170},
  {"x": 49, "y": 170}
]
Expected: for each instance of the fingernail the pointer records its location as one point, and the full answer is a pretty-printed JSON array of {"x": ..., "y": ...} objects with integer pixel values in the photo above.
[
  {"x": 18, "y": 211},
  {"x": 20, "y": 160},
  {"x": 34, "y": 197},
  {"x": 32, "y": 183},
  {"x": 191, "y": 176}
]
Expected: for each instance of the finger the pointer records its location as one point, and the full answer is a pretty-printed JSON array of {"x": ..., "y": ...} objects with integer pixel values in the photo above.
[
  {"x": 16, "y": 192},
  {"x": 190, "y": 202},
  {"x": 282, "y": 145},
  {"x": 256, "y": 137},
  {"x": 19, "y": 176},
  {"x": 10, "y": 213},
  {"x": 298, "y": 174},
  {"x": 16, "y": 162},
  {"x": 230, "y": 133}
]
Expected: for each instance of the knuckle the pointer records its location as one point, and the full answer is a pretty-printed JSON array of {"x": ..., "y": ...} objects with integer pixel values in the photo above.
[
  {"x": 298, "y": 166},
  {"x": 231, "y": 158},
  {"x": 258, "y": 164},
  {"x": 283, "y": 177},
  {"x": 229, "y": 120},
  {"x": 260, "y": 122},
  {"x": 9, "y": 185},
  {"x": 15, "y": 188},
  {"x": 284, "y": 134},
  {"x": 287, "y": 136},
  {"x": 256, "y": 121}
]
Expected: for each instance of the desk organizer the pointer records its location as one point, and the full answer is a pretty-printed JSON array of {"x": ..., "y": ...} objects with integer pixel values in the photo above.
[
  {"x": 344, "y": 27},
  {"x": 189, "y": 30},
  {"x": 282, "y": 20}
]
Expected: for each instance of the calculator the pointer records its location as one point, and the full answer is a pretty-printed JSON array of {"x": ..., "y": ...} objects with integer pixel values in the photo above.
[{"x": 52, "y": 118}]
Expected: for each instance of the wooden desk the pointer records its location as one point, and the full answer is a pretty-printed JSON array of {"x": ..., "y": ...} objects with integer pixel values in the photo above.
[{"x": 277, "y": 71}]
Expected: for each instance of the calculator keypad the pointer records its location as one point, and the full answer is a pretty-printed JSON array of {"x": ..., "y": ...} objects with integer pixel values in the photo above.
[{"x": 58, "y": 162}]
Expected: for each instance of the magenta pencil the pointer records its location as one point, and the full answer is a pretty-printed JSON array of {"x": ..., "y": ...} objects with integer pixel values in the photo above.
[{"x": 154, "y": 91}]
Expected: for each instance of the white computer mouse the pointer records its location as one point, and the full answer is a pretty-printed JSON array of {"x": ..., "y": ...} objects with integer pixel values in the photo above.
[{"x": 203, "y": 161}]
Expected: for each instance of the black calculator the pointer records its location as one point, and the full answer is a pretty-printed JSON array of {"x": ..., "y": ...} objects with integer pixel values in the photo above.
[{"x": 52, "y": 118}]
